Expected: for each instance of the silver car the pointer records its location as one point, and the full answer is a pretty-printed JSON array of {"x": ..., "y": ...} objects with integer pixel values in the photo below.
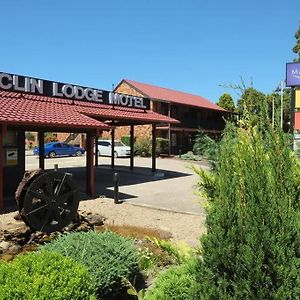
[{"x": 121, "y": 150}]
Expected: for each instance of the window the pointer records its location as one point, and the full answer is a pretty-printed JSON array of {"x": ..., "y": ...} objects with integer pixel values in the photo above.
[
  {"x": 66, "y": 145},
  {"x": 57, "y": 145},
  {"x": 105, "y": 144}
]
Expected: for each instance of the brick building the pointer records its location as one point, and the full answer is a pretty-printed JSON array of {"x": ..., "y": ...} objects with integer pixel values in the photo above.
[{"x": 192, "y": 111}]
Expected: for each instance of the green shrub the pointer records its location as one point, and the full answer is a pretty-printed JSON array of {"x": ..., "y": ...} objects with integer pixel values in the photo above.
[
  {"x": 205, "y": 146},
  {"x": 45, "y": 276},
  {"x": 252, "y": 246},
  {"x": 109, "y": 257},
  {"x": 190, "y": 156},
  {"x": 176, "y": 283},
  {"x": 178, "y": 252},
  {"x": 143, "y": 147},
  {"x": 126, "y": 140},
  {"x": 162, "y": 146}
]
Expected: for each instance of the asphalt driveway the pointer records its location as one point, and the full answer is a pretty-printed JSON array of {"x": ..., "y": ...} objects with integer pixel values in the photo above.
[{"x": 171, "y": 188}]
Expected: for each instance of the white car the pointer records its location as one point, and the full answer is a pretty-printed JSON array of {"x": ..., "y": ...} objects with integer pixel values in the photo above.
[{"x": 104, "y": 148}]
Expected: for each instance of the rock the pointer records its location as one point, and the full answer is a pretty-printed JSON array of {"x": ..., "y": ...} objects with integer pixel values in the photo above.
[
  {"x": 18, "y": 217},
  {"x": 7, "y": 257},
  {"x": 71, "y": 226},
  {"x": 4, "y": 246},
  {"x": 95, "y": 219},
  {"x": 14, "y": 249}
]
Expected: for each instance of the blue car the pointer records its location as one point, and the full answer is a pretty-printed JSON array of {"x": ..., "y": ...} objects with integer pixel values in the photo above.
[{"x": 60, "y": 149}]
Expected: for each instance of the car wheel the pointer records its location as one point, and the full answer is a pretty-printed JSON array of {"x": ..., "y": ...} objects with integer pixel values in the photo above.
[
  {"x": 52, "y": 154},
  {"x": 78, "y": 153},
  {"x": 116, "y": 154}
]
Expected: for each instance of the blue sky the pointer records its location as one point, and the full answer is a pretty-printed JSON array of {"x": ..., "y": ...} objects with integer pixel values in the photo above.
[{"x": 189, "y": 45}]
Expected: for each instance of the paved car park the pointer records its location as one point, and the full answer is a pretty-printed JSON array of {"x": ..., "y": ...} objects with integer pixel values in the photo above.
[{"x": 171, "y": 188}]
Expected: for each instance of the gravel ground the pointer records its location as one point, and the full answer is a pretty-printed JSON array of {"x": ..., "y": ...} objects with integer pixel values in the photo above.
[{"x": 183, "y": 227}]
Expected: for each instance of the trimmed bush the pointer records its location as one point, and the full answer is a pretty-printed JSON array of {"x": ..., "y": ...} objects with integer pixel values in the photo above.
[
  {"x": 162, "y": 146},
  {"x": 45, "y": 276},
  {"x": 190, "y": 156},
  {"x": 126, "y": 140},
  {"x": 252, "y": 246},
  {"x": 175, "y": 283},
  {"x": 109, "y": 257},
  {"x": 143, "y": 147}
]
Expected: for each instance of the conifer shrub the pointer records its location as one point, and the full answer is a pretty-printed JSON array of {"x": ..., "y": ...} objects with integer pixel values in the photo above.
[
  {"x": 176, "y": 283},
  {"x": 205, "y": 146},
  {"x": 143, "y": 147},
  {"x": 162, "y": 146},
  {"x": 45, "y": 276},
  {"x": 109, "y": 257},
  {"x": 252, "y": 246}
]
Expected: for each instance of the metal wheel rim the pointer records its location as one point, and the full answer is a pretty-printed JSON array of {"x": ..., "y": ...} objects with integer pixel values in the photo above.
[{"x": 51, "y": 202}]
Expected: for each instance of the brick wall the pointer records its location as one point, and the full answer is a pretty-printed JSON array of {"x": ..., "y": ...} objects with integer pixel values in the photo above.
[{"x": 140, "y": 131}]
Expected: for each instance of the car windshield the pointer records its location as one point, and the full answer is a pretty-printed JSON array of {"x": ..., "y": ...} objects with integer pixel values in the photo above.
[
  {"x": 119, "y": 144},
  {"x": 49, "y": 144}
]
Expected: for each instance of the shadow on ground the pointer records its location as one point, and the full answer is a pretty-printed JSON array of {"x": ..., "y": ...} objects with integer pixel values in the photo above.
[
  {"x": 104, "y": 178},
  {"x": 104, "y": 181}
]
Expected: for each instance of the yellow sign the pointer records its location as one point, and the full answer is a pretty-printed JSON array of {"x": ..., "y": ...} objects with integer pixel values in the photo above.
[{"x": 297, "y": 98}]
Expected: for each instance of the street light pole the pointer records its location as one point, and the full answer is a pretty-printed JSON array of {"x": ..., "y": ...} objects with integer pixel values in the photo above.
[{"x": 281, "y": 104}]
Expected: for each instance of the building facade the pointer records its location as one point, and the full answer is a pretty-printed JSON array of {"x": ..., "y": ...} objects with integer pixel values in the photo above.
[{"x": 194, "y": 113}]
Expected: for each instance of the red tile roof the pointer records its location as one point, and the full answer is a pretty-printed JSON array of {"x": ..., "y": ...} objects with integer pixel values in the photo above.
[
  {"x": 122, "y": 113},
  {"x": 160, "y": 93},
  {"x": 26, "y": 109}
]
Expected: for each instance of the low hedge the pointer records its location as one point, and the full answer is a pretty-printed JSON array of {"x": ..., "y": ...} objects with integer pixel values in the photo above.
[
  {"x": 110, "y": 258},
  {"x": 176, "y": 283},
  {"x": 45, "y": 276}
]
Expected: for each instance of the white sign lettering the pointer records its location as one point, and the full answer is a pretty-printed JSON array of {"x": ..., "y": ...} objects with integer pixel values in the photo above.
[
  {"x": 11, "y": 82},
  {"x": 126, "y": 100}
]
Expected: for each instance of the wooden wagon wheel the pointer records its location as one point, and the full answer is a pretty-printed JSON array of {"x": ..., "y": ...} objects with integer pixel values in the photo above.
[{"x": 50, "y": 202}]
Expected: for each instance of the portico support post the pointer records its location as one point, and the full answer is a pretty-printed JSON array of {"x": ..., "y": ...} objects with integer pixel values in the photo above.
[
  {"x": 153, "y": 148},
  {"x": 169, "y": 128},
  {"x": 131, "y": 147},
  {"x": 96, "y": 151},
  {"x": 112, "y": 148},
  {"x": 1, "y": 168},
  {"x": 90, "y": 171},
  {"x": 41, "y": 138}
]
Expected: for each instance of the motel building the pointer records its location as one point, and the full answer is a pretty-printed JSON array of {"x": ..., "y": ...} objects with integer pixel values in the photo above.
[
  {"x": 38, "y": 105},
  {"x": 192, "y": 111}
]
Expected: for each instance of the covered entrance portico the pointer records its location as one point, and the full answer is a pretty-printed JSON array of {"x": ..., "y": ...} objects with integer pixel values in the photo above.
[{"x": 22, "y": 111}]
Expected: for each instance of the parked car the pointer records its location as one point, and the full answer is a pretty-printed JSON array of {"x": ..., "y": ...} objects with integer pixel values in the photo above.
[
  {"x": 60, "y": 149},
  {"x": 121, "y": 150}
]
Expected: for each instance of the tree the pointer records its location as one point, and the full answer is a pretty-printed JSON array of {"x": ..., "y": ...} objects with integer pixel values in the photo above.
[
  {"x": 250, "y": 101},
  {"x": 251, "y": 249},
  {"x": 29, "y": 136},
  {"x": 296, "y": 48},
  {"x": 226, "y": 102}
]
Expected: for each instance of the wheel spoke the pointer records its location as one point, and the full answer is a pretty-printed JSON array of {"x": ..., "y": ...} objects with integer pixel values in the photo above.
[
  {"x": 46, "y": 217},
  {"x": 37, "y": 209},
  {"x": 58, "y": 189}
]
